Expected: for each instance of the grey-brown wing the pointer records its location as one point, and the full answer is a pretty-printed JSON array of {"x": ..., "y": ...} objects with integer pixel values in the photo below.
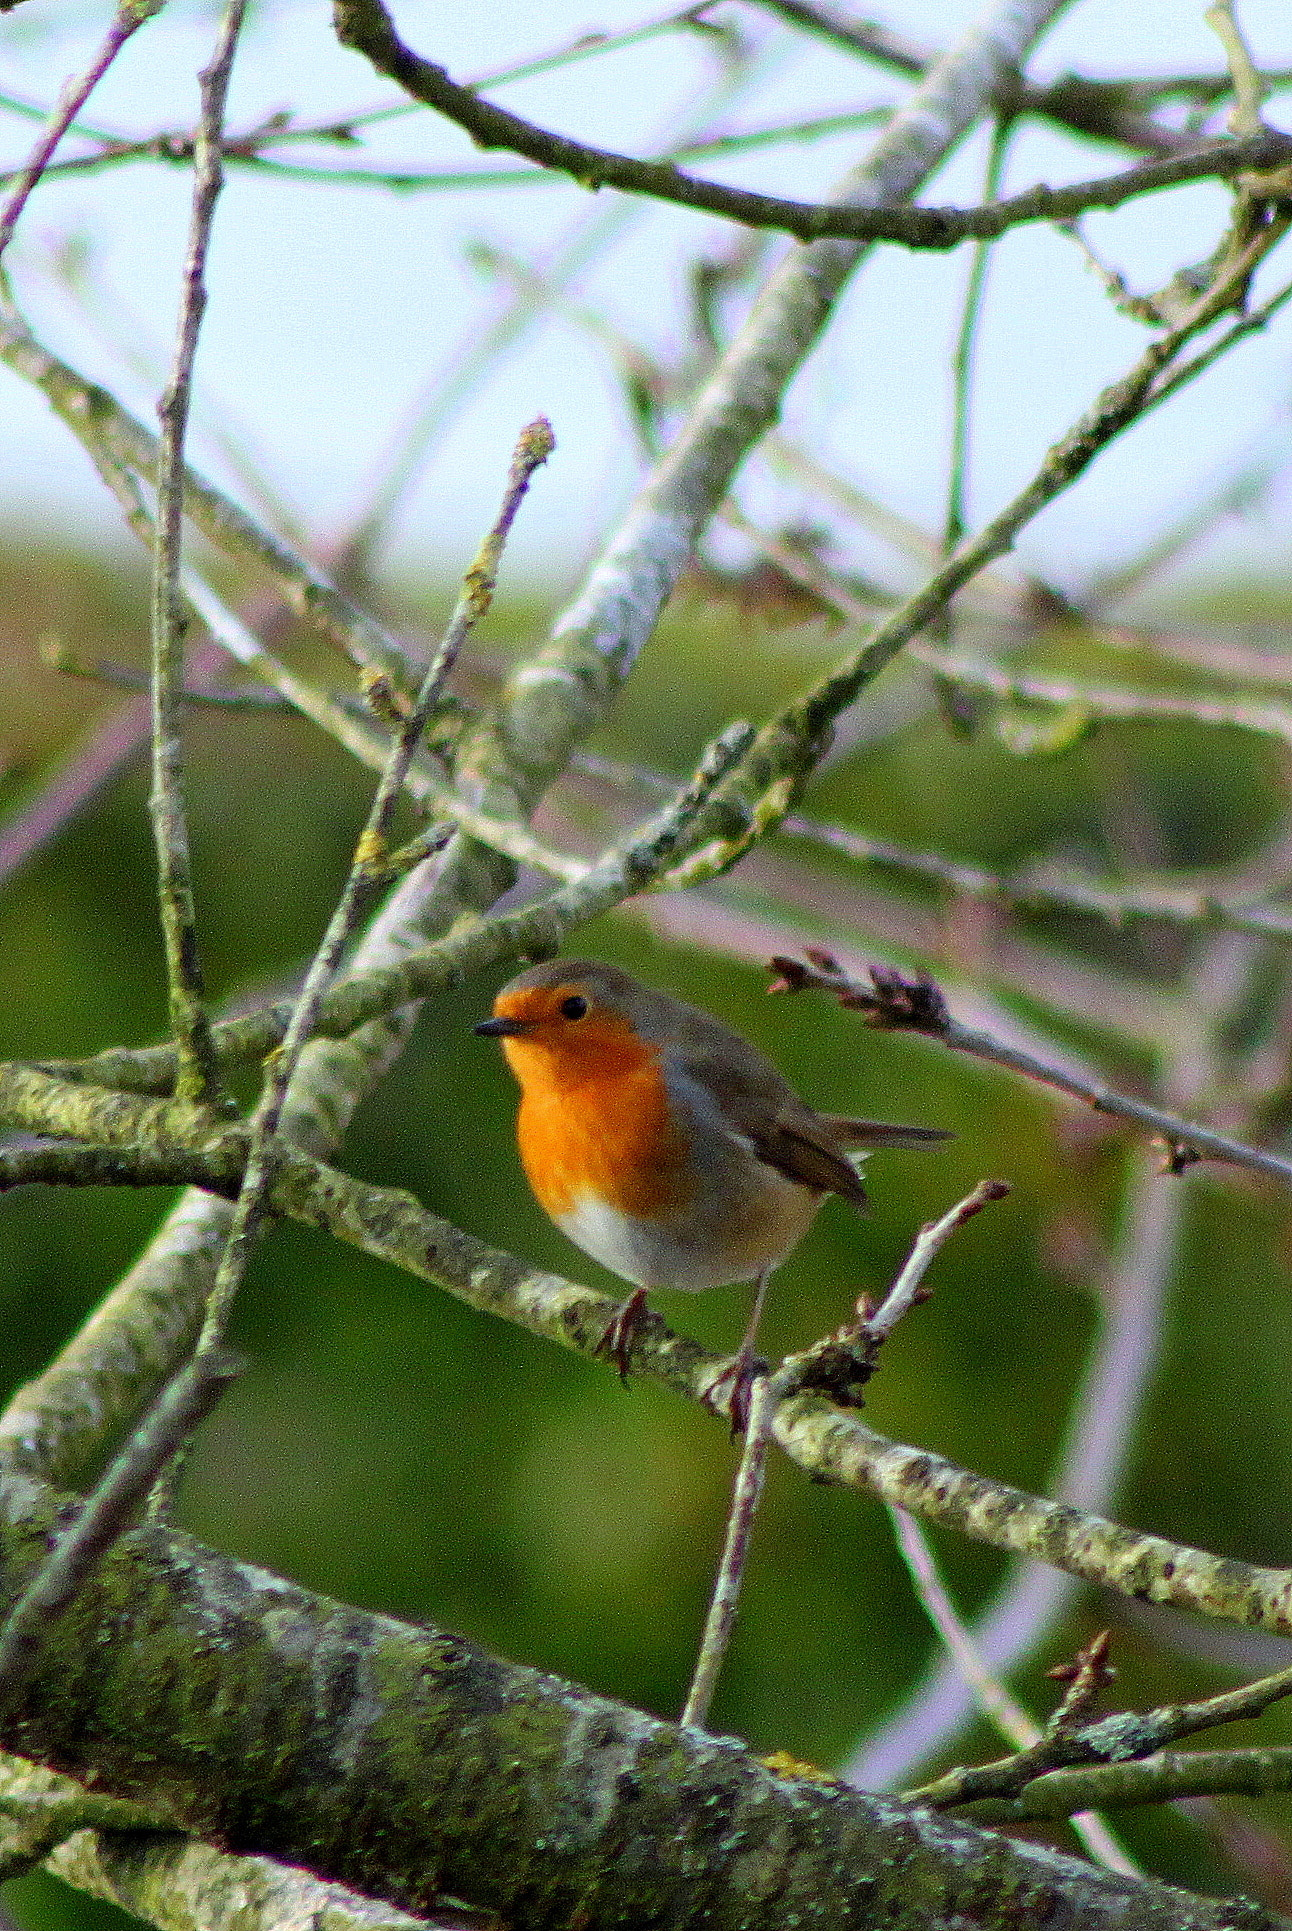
[
  {"x": 803, "y": 1149},
  {"x": 756, "y": 1102}
]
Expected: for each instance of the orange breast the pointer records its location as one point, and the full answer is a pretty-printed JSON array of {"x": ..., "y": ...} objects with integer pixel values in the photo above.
[{"x": 610, "y": 1137}]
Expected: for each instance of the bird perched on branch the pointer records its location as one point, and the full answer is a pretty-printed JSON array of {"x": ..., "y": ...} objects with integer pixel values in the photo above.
[{"x": 664, "y": 1144}]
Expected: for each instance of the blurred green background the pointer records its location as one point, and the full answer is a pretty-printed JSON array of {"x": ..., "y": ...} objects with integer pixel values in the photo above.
[{"x": 392, "y": 1447}]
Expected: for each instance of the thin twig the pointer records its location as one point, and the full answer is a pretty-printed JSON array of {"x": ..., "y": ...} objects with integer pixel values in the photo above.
[
  {"x": 993, "y": 1699},
  {"x": 366, "y": 26},
  {"x": 726, "y": 1589},
  {"x": 1046, "y": 887},
  {"x": 588, "y": 46},
  {"x": 1249, "y": 89},
  {"x": 989, "y": 1693},
  {"x": 907, "y": 1290},
  {"x": 120, "y": 677},
  {"x": 1166, "y": 1777},
  {"x": 364, "y": 741},
  {"x": 1133, "y": 1286},
  {"x": 955, "y": 522},
  {"x": 197, "y": 1076},
  {"x": 1088, "y": 703},
  {"x": 479, "y": 350},
  {"x": 793, "y": 742},
  {"x": 108, "y": 747},
  {"x": 117, "y": 440},
  {"x": 626, "y": 868},
  {"x": 367, "y": 870},
  {"x": 917, "y": 1005},
  {"x": 1238, "y": 494},
  {"x": 868, "y": 38},
  {"x": 250, "y": 151},
  {"x": 1107, "y": 109},
  {"x": 768, "y": 1392},
  {"x": 1128, "y": 1736},
  {"x": 129, "y": 18}
]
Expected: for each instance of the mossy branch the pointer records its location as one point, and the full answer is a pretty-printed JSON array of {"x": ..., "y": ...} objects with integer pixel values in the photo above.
[
  {"x": 224, "y": 1690},
  {"x": 825, "y": 1441},
  {"x": 536, "y": 930}
]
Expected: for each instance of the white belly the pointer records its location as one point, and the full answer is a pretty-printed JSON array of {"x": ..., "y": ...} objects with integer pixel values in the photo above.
[{"x": 691, "y": 1254}]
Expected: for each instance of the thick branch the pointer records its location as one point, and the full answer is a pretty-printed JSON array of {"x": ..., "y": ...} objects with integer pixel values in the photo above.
[{"x": 406, "y": 1763}]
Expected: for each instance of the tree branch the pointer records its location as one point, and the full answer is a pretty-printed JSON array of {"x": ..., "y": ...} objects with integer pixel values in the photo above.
[
  {"x": 828, "y": 1442},
  {"x": 196, "y": 1075},
  {"x": 290, "y": 1718},
  {"x": 367, "y": 27},
  {"x": 129, "y": 18},
  {"x": 98, "y": 420},
  {"x": 917, "y": 1005}
]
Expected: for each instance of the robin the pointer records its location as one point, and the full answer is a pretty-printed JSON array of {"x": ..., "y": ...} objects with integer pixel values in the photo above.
[{"x": 665, "y": 1145}]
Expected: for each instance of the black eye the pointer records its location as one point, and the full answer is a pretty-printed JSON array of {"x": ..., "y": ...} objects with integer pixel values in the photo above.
[{"x": 575, "y": 1007}]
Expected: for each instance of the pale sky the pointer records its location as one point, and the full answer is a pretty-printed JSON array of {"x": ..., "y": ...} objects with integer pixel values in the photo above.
[{"x": 334, "y": 309}]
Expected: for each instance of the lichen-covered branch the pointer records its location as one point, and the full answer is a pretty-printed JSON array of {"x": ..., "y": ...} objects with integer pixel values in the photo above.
[
  {"x": 840, "y": 1448},
  {"x": 367, "y": 870},
  {"x": 136, "y": 1338},
  {"x": 1164, "y": 1779},
  {"x": 790, "y": 743},
  {"x": 536, "y": 930},
  {"x": 273, "y": 1721},
  {"x": 180, "y": 1884},
  {"x": 598, "y": 639},
  {"x": 827, "y": 1442},
  {"x": 552, "y": 699}
]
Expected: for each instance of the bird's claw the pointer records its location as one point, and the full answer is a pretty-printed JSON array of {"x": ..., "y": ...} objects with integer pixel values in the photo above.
[
  {"x": 622, "y": 1330},
  {"x": 739, "y": 1374}
]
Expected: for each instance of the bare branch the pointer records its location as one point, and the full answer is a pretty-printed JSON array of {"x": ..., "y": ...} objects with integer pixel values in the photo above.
[
  {"x": 196, "y": 1076},
  {"x": 917, "y": 1005},
  {"x": 367, "y": 869},
  {"x": 368, "y": 28},
  {"x": 721, "y": 1619},
  {"x": 130, "y": 17}
]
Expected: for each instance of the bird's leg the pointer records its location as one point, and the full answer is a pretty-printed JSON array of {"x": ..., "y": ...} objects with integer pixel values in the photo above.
[
  {"x": 622, "y": 1329},
  {"x": 744, "y": 1367}
]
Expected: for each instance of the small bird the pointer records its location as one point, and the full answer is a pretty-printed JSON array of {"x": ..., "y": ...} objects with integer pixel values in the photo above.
[{"x": 664, "y": 1144}]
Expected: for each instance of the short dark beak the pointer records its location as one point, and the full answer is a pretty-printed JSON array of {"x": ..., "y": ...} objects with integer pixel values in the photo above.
[{"x": 500, "y": 1028}]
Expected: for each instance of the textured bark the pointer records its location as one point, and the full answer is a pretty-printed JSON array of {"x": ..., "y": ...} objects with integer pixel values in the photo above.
[
  {"x": 180, "y": 1885},
  {"x": 406, "y": 1763}
]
